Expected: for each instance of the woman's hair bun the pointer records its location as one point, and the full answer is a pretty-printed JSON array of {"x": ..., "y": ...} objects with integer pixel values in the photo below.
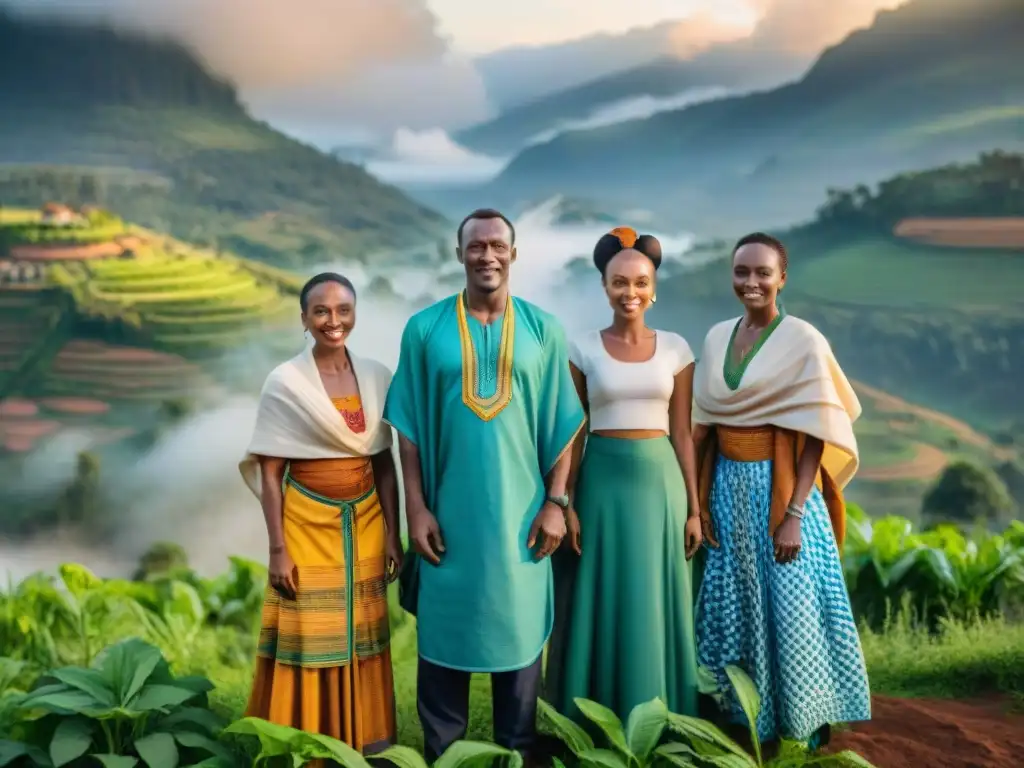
[{"x": 621, "y": 239}]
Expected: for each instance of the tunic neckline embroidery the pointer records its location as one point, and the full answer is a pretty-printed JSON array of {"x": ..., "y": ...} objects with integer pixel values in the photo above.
[{"x": 486, "y": 408}]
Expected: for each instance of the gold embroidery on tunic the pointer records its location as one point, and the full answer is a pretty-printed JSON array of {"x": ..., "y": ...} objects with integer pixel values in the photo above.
[{"x": 489, "y": 407}]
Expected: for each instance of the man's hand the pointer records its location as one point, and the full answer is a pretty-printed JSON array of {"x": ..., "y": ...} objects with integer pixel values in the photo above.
[
  {"x": 425, "y": 534},
  {"x": 549, "y": 524},
  {"x": 393, "y": 556},
  {"x": 572, "y": 527},
  {"x": 694, "y": 536}
]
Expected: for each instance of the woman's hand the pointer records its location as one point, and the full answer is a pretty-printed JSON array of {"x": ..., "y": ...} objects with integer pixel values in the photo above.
[
  {"x": 393, "y": 556},
  {"x": 572, "y": 530},
  {"x": 787, "y": 540},
  {"x": 694, "y": 535},
  {"x": 283, "y": 577}
]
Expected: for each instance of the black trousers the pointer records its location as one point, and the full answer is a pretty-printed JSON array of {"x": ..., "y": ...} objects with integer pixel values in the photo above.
[{"x": 442, "y": 700}]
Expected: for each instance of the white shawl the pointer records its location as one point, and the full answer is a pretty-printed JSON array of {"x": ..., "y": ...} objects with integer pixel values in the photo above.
[
  {"x": 297, "y": 420},
  {"x": 793, "y": 382}
]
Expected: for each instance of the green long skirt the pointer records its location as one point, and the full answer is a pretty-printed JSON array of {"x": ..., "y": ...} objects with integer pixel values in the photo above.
[{"x": 624, "y": 616}]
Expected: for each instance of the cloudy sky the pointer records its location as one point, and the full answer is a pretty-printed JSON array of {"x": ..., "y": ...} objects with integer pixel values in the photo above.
[{"x": 338, "y": 70}]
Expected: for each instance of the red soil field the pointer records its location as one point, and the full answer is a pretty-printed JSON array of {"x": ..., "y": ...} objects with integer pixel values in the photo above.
[
  {"x": 965, "y": 233},
  {"x": 17, "y": 444},
  {"x": 95, "y": 351},
  {"x": 928, "y": 733},
  {"x": 66, "y": 252},
  {"x": 29, "y": 428},
  {"x": 75, "y": 405},
  {"x": 17, "y": 408}
]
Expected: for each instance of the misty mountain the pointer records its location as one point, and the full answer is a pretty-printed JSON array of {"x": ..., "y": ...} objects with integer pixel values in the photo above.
[
  {"x": 741, "y": 65},
  {"x": 139, "y": 125},
  {"x": 930, "y": 82}
]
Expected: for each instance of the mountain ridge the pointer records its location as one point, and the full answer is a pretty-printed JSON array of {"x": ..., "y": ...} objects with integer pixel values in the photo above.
[
  {"x": 884, "y": 100},
  {"x": 88, "y": 110}
]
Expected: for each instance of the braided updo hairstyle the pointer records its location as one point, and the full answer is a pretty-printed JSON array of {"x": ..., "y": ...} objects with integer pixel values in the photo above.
[
  {"x": 621, "y": 239},
  {"x": 760, "y": 238}
]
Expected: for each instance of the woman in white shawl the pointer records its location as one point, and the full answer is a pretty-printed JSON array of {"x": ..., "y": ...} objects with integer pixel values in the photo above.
[
  {"x": 320, "y": 462},
  {"x": 774, "y": 429}
]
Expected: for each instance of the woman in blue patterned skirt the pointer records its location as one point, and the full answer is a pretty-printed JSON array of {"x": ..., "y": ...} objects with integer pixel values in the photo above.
[{"x": 774, "y": 429}]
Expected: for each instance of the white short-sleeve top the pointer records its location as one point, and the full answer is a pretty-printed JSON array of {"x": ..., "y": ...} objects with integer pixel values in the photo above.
[{"x": 630, "y": 395}]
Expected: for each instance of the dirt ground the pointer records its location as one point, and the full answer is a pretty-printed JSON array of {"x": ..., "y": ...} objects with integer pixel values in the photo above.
[{"x": 929, "y": 733}]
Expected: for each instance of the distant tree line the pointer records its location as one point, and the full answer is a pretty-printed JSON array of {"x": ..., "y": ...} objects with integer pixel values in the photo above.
[
  {"x": 992, "y": 186},
  {"x": 99, "y": 66}
]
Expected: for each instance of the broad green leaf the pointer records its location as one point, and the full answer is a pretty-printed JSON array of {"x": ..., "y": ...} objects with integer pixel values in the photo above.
[
  {"x": 274, "y": 739},
  {"x": 198, "y": 741},
  {"x": 568, "y": 732},
  {"x": 603, "y": 758},
  {"x": 117, "y": 761},
  {"x": 939, "y": 564},
  {"x": 160, "y": 697},
  {"x": 471, "y": 754},
  {"x": 11, "y": 751},
  {"x": 644, "y": 727},
  {"x": 203, "y": 718},
  {"x": 607, "y": 721},
  {"x": 556, "y": 763},
  {"x": 685, "y": 755},
  {"x": 79, "y": 579},
  {"x": 90, "y": 681},
  {"x": 194, "y": 683},
  {"x": 707, "y": 681},
  {"x": 71, "y": 739},
  {"x": 158, "y": 750},
  {"x": 66, "y": 702},
  {"x": 750, "y": 702},
  {"x": 401, "y": 757},
  {"x": 128, "y": 665},
  {"x": 337, "y": 750},
  {"x": 694, "y": 728}
]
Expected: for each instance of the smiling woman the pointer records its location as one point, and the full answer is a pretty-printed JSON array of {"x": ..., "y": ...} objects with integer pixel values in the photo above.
[{"x": 320, "y": 463}]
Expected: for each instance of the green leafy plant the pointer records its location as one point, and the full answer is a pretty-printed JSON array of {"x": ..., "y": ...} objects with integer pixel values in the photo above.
[
  {"x": 653, "y": 736},
  {"x": 290, "y": 746},
  {"x": 125, "y": 710}
]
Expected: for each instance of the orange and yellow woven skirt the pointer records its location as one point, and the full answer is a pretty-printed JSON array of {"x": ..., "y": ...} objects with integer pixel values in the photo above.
[{"x": 324, "y": 662}]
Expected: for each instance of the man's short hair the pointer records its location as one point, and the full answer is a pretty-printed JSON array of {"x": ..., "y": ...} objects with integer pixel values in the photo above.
[{"x": 486, "y": 213}]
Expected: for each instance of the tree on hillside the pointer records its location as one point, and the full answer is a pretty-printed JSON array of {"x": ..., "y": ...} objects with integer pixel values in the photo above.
[
  {"x": 162, "y": 558},
  {"x": 967, "y": 493},
  {"x": 80, "y": 501}
]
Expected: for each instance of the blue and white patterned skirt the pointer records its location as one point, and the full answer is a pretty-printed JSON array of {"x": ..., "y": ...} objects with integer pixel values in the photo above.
[{"x": 790, "y": 627}]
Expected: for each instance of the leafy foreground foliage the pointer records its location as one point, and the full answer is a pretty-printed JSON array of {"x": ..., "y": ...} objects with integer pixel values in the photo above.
[
  {"x": 185, "y": 646},
  {"x": 938, "y": 575},
  {"x": 653, "y": 736}
]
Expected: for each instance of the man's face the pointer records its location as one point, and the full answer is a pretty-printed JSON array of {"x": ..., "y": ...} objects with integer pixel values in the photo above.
[{"x": 486, "y": 251}]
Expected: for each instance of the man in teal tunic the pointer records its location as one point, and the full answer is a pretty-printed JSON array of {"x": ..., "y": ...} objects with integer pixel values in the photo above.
[{"x": 486, "y": 412}]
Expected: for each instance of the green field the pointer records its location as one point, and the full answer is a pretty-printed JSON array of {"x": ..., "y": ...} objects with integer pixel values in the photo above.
[{"x": 884, "y": 272}]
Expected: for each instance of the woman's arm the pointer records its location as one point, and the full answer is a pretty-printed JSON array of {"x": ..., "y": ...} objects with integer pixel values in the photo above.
[
  {"x": 577, "y": 447},
  {"x": 281, "y": 568},
  {"x": 272, "y": 499},
  {"x": 682, "y": 435},
  {"x": 807, "y": 471},
  {"x": 385, "y": 476}
]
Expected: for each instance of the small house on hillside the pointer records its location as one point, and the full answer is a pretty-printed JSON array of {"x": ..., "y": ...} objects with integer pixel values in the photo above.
[{"x": 59, "y": 215}]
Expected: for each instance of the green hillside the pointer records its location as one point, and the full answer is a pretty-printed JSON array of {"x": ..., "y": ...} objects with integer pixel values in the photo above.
[
  {"x": 731, "y": 65},
  {"x": 942, "y": 324},
  {"x": 137, "y": 126},
  {"x": 107, "y": 325},
  {"x": 886, "y": 99}
]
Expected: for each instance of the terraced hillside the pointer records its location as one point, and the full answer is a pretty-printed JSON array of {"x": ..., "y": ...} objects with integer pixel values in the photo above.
[{"x": 106, "y": 343}]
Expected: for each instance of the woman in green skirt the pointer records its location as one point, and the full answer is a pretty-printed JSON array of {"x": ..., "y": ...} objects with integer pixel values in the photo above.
[{"x": 624, "y": 624}]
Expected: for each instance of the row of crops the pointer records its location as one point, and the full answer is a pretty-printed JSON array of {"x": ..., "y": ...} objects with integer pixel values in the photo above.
[
  {"x": 28, "y": 318},
  {"x": 182, "y": 302}
]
